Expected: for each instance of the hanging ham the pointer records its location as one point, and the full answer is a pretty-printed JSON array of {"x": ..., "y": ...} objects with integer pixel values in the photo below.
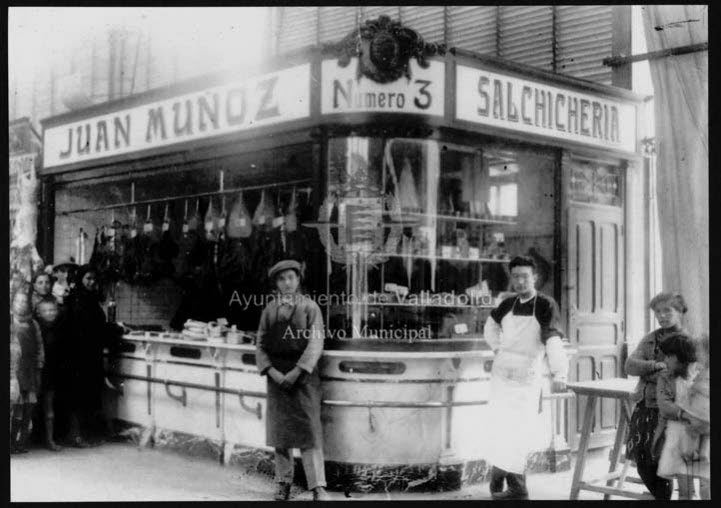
[
  {"x": 239, "y": 220},
  {"x": 407, "y": 193},
  {"x": 235, "y": 258},
  {"x": 263, "y": 215}
]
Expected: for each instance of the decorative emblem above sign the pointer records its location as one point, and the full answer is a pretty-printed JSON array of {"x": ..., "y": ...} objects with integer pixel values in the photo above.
[{"x": 384, "y": 49}]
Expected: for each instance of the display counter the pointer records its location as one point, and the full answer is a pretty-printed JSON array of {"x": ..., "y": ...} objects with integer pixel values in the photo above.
[{"x": 391, "y": 419}]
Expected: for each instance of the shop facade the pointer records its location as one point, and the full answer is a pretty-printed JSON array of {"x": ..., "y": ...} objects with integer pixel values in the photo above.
[{"x": 404, "y": 177}]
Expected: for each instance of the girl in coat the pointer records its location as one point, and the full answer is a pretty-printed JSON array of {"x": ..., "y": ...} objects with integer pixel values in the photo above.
[
  {"x": 647, "y": 362},
  {"x": 27, "y": 333},
  {"x": 672, "y": 391},
  {"x": 290, "y": 343},
  {"x": 83, "y": 365}
]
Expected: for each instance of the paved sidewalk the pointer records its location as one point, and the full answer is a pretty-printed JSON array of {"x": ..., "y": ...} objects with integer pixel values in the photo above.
[{"x": 121, "y": 472}]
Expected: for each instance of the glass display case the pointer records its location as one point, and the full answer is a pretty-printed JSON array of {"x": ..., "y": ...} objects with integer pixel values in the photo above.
[{"x": 417, "y": 235}]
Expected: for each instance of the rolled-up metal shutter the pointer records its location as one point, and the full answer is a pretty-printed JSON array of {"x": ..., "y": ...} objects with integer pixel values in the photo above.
[
  {"x": 472, "y": 28},
  {"x": 336, "y": 23},
  {"x": 584, "y": 37},
  {"x": 373, "y": 11},
  {"x": 298, "y": 28},
  {"x": 427, "y": 21},
  {"x": 526, "y": 35}
]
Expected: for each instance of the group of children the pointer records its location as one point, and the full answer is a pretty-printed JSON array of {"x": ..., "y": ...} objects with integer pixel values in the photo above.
[
  {"x": 34, "y": 361},
  {"x": 670, "y": 425}
]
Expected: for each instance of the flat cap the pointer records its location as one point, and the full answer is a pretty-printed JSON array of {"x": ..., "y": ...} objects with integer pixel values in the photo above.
[{"x": 281, "y": 266}]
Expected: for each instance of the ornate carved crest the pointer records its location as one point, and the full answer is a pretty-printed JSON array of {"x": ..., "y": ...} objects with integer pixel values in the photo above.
[{"x": 384, "y": 49}]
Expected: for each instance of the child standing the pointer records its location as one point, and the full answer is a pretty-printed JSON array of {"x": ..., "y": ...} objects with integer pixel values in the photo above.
[
  {"x": 47, "y": 316},
  {"x": 673, "y": 389},
  {"x": 695, "y": 445},
  {"x": 27, "y": 332},
  {"x": 15, "y": 353}
]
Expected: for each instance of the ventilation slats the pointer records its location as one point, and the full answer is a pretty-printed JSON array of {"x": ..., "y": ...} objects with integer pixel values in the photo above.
[
  {"x": 584, "y": 39},
  {"x": 520, "y": 33},
  {"x": 526, "y": 35},
  {"x": 427, "y": 21},
  {"x": 335, "y": 22},
  {"x": 472, "y": 28},
  {"x": 299, "y": 28}
]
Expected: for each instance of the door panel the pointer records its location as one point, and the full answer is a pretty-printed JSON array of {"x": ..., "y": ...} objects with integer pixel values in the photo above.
[{"x": 595, "y": 278}]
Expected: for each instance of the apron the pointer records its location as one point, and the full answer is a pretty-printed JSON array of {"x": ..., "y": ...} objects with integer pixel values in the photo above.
[
  {"x": 516, "y": 384},
  {"x": 292, "y": 417}
]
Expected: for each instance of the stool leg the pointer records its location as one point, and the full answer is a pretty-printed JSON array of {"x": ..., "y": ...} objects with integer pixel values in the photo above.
[
  {"x": 624, "y": 472},
  {"x": 616, "y": 451},
  {"x": 583, "y": 446}
]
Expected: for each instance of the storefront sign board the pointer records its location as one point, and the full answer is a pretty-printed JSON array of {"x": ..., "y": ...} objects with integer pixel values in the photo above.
[
  {"x": 524, "y": 105},
  {"x": 343, "y": 92},
  {"x": 255, "y": 102}
]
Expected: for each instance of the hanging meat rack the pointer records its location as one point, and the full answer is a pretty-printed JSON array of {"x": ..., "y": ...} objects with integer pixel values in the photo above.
[{"x": 220, "y": 191}]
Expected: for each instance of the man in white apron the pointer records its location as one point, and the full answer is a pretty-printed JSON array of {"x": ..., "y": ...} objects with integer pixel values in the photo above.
[{"x": 522, "y": 330}]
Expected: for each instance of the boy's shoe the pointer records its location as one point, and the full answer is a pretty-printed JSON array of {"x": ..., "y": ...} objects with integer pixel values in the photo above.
[
  {"x": 507, "y": 495},
  {"x": 283, "y": 492},
  {"x": 498, "y": 478},
  {"x": 320, "y": 494},
  {"x": 516, "y": 488}
]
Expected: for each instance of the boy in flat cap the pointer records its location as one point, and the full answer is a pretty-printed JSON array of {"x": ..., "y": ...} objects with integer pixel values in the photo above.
[{"x": 290, "y": 343}]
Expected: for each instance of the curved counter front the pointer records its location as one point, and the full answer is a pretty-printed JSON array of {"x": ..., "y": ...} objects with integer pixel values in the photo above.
[{"x": 391, "y": 419}]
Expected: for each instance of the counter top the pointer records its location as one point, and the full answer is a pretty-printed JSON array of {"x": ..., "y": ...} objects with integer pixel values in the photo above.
[{"x": 164, "y": 338}]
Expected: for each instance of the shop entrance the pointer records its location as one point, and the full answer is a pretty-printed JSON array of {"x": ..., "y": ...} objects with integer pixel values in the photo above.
[{"x": 595, "y": 288}]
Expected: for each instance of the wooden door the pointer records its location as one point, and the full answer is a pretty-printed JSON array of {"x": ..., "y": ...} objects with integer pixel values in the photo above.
[
  {"x": 594, "y": 293},
  {"x": 595, "y": 307}
]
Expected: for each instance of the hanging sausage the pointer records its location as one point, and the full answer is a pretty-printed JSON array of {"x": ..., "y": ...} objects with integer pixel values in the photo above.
[
  {"x": 130, "y": 249},
  {"x": 279, "y": 223},
  {"x": 147, "y": 244},
  {"x": 167, "y": 248},
  {"x": 210, "y": 222},
  {"x": 189, "y": 244}
]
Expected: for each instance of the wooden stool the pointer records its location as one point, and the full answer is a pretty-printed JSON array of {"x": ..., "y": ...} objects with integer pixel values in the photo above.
[{"x": 616, "y": 388}]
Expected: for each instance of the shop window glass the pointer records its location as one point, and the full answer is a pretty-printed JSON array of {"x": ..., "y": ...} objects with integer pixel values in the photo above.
[{"x": 418, "y": 235}]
